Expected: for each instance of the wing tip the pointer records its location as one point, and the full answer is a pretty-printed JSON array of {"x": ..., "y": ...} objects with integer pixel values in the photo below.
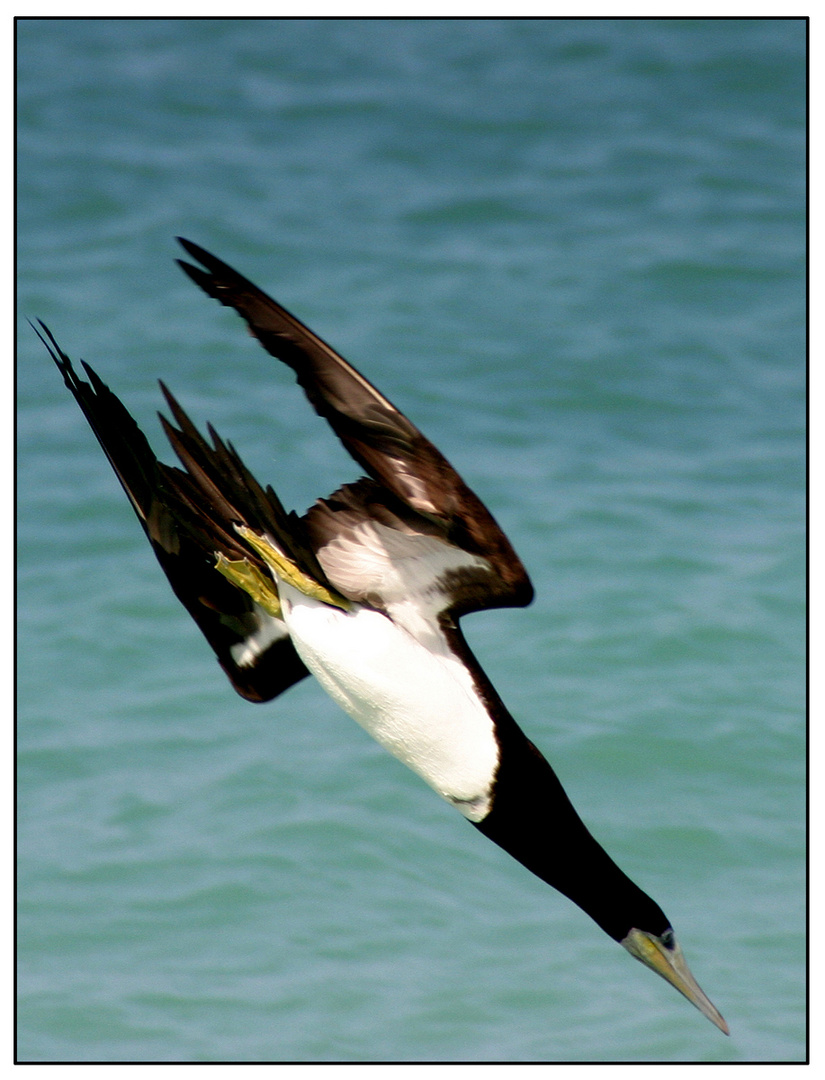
[{"x": 191, "y": 248}]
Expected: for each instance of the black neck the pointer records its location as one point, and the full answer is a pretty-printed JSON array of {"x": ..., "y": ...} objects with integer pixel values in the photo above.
[{"x": 533, "y": 819}]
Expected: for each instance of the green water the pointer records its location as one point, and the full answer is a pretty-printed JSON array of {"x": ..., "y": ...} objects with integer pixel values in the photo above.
[{"x": 573, "y": 252}]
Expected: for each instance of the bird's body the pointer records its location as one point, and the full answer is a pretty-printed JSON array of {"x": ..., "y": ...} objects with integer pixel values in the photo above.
[
  {"x": 365, "y": 592},
  {"x": 410, "y": 692}
]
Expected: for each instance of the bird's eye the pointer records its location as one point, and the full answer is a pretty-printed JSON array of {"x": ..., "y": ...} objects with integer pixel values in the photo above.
[{"x": 668, "y": 939}]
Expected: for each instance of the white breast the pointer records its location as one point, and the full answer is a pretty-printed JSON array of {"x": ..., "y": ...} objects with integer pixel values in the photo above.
[{"x": 418, "y": 702}]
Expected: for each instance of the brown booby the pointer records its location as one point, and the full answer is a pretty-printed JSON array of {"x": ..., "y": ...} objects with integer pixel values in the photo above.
[{"x": 365, "y": 592}]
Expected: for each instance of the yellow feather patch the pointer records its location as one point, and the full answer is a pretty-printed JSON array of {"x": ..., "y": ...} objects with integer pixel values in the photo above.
[
  {"x": 287, "y": 570},
  {"x": 242, "y": 573}
]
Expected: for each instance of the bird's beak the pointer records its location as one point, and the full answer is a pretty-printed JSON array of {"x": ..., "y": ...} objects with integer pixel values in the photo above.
[{"x": 664, "y": 955}]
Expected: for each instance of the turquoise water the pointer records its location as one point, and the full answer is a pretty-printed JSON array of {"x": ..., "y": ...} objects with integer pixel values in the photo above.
[{"x": 573, "y": 252}]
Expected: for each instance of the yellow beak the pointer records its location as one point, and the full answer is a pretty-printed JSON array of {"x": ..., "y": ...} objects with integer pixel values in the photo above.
[{"x": 664, "y": 956}]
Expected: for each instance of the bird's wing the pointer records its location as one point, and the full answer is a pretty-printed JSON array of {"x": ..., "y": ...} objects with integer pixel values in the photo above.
[
  {"x": 188, "y": 526},
  {"x": 406, "y": 465}
]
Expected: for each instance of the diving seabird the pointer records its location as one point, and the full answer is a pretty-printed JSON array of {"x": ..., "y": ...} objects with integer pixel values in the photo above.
[{"x": 365, "y": 592}]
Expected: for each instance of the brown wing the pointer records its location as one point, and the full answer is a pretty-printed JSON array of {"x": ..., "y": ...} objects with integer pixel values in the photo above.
[
  {"x": 186, "y": 527},
  {"x": 380, "y": 438}
]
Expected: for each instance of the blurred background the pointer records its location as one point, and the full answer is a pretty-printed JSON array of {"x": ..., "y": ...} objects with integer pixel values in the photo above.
[{"x": 573, "y": 251}]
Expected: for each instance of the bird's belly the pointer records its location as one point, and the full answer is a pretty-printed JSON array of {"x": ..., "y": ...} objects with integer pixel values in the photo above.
[{"x": 418, "y": 703}]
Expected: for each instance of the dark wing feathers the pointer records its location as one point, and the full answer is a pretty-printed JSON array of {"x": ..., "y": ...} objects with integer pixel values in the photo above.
[
  {"x": 371, "y": 428},
  {"x": 380, "y": 438},
  {"x": 190, "y": 515},
  {"x": 234, "y": 493},
  {"x": 185, "y": 529}
]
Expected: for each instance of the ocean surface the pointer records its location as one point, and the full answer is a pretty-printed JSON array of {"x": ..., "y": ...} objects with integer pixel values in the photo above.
[{"x": 573, "y": 252}]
